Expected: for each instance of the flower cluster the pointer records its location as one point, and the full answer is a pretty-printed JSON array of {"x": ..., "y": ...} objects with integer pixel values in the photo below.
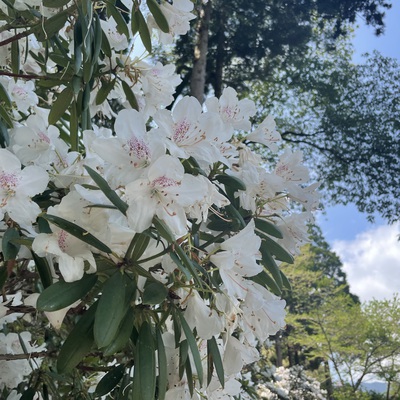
[{"x": 168, "y": 227}]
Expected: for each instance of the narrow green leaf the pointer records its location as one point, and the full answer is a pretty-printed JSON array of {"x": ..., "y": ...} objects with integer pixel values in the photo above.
[
  {"x": 268, "y": 228},
  {"x": 162, "y": 366},
  {"x": 10, "y": 249},
  {"x": 163, "y": 230},
  {"x": 231, "y": 181},
  {"x": 55, "y": 3},
  {"x": 135, "y": 21},
  {"x": 4, "y": 137},
  {"x": 98, "y": 37},
  {"x": 193, "y": 347},
  {"x": 111, "y": 309},
  {"x": 158, "y": 15},
  {"x": 137, "y": 246},
  {"x": 180, "y": 266},
  {"x": 78, "y": 343},
  {"x": 124, "y": 332},
  {"x": 286, "y": 282},
  {"x": 212, "y": 348},
  {"x": 145, "y": 372},
  {"x": 74, "y": 127},
  {"x": 277, "y": 250},
  {"x": 189, "y": 376},
  {"x": 15, "y": 60},
  {"x": 4, "y": 115},
  {"x": 144, "y": 32},
  {"x": 130, "y": 96},
  {"x": 110, "y": 380},
  {"x": 154, "y": 293},
  {"x": 105, "y": 45},
  {"x": 220, "y": 225},
  {"x": 4, "y": 96},
  {"x": 62, "y": 294},
  {"x": 3, "y": 276},
  {"x": 43, "y": 269},
  {"x": 266, "y": 281},
  {"x": 104, "y": 91},
  {"x": 270, "y": 263},
  {"x": 60, "y": 105},
  {"x": 119, "y": 19},
  {"x": 28, "y": 394},
  {"x": 238, "y": 221},
  {"x": 78, "y": 232},
  {"x": 108, "y": 192},
  {"x": 51, "y": 26}
]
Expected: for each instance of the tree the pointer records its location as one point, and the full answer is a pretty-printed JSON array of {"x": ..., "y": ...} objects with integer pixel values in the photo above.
[
  {"x": 347, "y": 125},
  {"x": 249, "y": 40}
]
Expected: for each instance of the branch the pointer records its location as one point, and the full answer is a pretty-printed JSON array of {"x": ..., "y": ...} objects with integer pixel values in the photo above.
[{"x": 9, "y": 357}]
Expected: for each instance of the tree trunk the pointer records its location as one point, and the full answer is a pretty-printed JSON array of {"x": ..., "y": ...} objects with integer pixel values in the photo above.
[
  {"x": 198, "y": 78},
  {"x": 220, "y": 56},
  {"x": 328, "y": 386}
]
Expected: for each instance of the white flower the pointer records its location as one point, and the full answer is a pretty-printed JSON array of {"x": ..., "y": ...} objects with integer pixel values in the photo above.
[
  {"x": 190, "y": 131},
  {"x": 164, "y": 192},
  {"x": 266, "y": 134},
  {"x": 23, "y": 94},
  {"x": 118, "y": 41},
  {"x": 37, "y": 143},
  {"x": 131, "y": 151},
  {"x": 198, "y": 315},
  {"x": 17, "y": 187},
  {"x": 234, "y": 112},
  {"x": 238, "y": 259},
  {"x": 178, "y": 16},
  {"x": 263, "y": 313}
]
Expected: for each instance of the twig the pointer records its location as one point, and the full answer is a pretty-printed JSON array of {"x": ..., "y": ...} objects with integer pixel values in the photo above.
[{"x": 9, "y": 357}]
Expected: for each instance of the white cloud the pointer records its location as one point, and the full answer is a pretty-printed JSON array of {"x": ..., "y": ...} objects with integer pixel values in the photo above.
[{"x": 372, "y": 262}]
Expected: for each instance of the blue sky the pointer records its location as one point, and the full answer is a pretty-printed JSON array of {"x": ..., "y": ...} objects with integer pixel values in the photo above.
[{"x": 370, "y": 252}]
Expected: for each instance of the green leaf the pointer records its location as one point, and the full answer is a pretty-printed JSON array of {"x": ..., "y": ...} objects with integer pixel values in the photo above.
[
  {"x": 135, "y": 20},
  {"x": 266, "y": 281},
  {"x": 43, "y": 269},
  {"x": 193, "y": 346},
  {"x": 110, "y": 380},
  {"x": 144, "y": 32},
  {"x": 146, "y": 371},
  {"x": 3, "y": 276},
  {"x": 78, "y": 232},
  {"x": 108, "y": 192},
  {"x": 124, "y": 332},
  {"x": 4, "y": 137},
  {"x": 51, "y": 26},
  {"x": 277, "y": 250},
  {"x": 212, "y": 349},
  {"x": 180, "y": 266},
  {"x": 9, "y": 249},
  {"x": 55, "y": 3},
  {"x": 106, "y": 87},
  {"x": 4, "y": 115},
  {"x": 268, "y": 228},
  {"x": 137, "y": 246},
  {"x": 15, "y": 61},
  {"x": 119, "y": 19},
  {"x": 4, "y": 96},
  {"x": 286, "y": 282},
  {"x": 78, "y": 343},
  {"x": 163, "y": 230},
  {"x": 231, "y": 181},
  {"x": 154, "y": 293},
  {"x": 111, "y": 309},
  {"x": 162, "y": 366},
  {"x": 28, "y": 394},
  {"x": 158, "y": 15},
  {"x": 62, "y": 294},
  {"x": 105, "y": 45},
  {"x": 130, "y": 96},
  {"x": 60, "y": 105},
  {"x": 270, "y": 264}
]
